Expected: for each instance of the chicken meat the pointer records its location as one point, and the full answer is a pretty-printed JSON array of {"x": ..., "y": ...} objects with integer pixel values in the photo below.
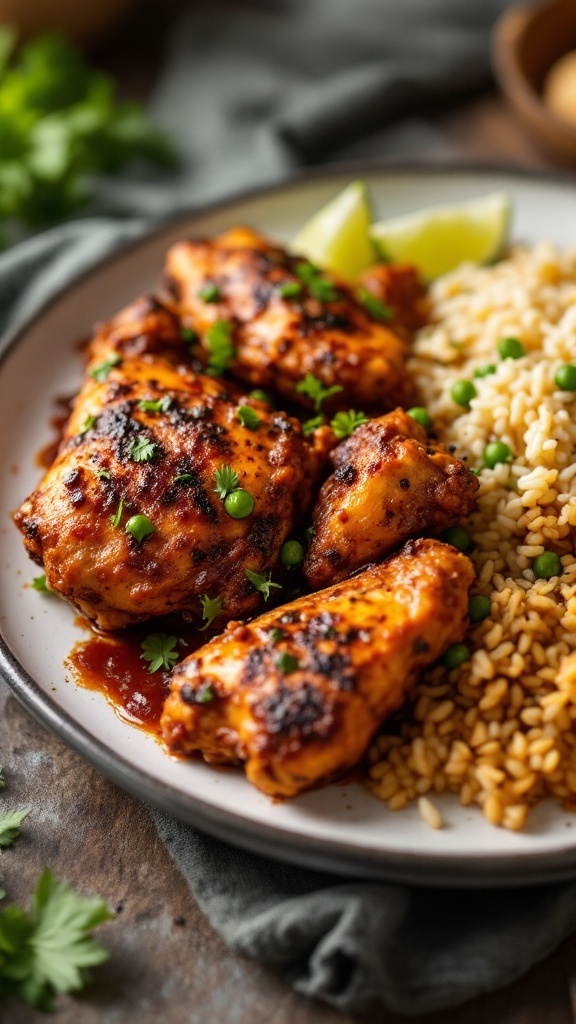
[
  {"x": 390, "y": 482},
  {"x": 133, "y": 519},
  {"x": 288, "y": 320},
  {"x": 297, "y": 693}
]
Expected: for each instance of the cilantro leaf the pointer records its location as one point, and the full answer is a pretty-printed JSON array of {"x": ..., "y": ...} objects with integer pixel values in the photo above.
[
  {"x": 40, "y": 583},
  {"x": 59, "y": 122},
  {"x": 320, "y": 287},
  {"x": 116, "y": 519},
  {"x": 159, "y": 650},
  {"x": 88, "y": 424},
  {"x": 101, "y": 371},
  {"x": 374, "y": 306},
  {"x": 226, "y": 481},
  {"x": 309, "y": 426},
  {"x": 211, "y": 608},
  {"x": 142, "y": 450},
  {"x": 220, "y": 348},
  {"x": 262, "y": 583},
  {"x": 344, "y": 423},
  {"x": 45, "y": 950},
  {"x": 156, "y": 404},
  {"x": 248, "y": 417},
  {"x": 314, "y": 389},
  {"x": 10, "y": 822}
]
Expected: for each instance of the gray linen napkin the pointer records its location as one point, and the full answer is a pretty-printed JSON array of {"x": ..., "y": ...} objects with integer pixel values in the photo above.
[{"x": 251, "y": 90}]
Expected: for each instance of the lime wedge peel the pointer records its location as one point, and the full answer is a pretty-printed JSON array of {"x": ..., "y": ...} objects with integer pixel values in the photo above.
[
  {"x": 438, "y": 239},
  {"x": 337, "y": 237}
]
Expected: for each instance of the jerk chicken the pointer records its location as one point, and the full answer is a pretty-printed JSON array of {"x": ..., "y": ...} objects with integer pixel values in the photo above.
[
  {"x": 288, "y": 321},
  {"x": 297, "y": 693},
  {"x": 131, "y": 520},
  {"x": 390, "y": 482}
]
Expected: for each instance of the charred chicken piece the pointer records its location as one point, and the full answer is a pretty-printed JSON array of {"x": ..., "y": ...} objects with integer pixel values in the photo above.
[
  {"x": 131, "y": 521},
  {"x": 288, "y": 320},
  {"x": 390, "y": 482},
  {"x": 399, "y": 287},
  {"x": 296, "y": 694}
]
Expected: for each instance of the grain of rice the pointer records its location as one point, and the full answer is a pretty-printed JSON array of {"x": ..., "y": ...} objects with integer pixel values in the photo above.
[
  {"x": 430, "y": 813},
  {"x": 500, "y": 729}
]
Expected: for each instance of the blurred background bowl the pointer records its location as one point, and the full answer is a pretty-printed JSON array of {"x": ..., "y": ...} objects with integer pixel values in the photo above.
[
  {"x": 84, "y": 21},
  {"x": 528, "y": 42}
]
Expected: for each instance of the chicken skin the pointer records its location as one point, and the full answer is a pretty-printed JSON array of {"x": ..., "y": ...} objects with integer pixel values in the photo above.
[
  {"x": 297, "y": 693},
  {"x": 288, "y": 320},
  {"x": 399, "y": 287},
  {"x": 131, "y": 521},
  {"x": 390, "y": 482}
]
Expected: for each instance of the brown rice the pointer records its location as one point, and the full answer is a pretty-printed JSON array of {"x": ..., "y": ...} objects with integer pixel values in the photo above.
[{"x": 500, "y": 730}]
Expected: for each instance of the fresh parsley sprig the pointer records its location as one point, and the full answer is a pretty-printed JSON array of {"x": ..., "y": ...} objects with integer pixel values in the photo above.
[
  {"x": 10, "y": 822},
  {"x": 314, "y": 389},
  {"x": 211, "y": 608},
  {"x": 226, "y": 480},
  {"x": 345, "y": 423},
  {"x": 60, "y": 122},
  {"x": 159, "y": 650},
  {"x": 262, "y": 582},
  {"x": 46, "y": 950},
  {"x": 142, "y": 449}
]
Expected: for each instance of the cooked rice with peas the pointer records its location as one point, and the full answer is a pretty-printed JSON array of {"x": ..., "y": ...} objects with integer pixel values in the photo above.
[{"x": 499, "y": 730}]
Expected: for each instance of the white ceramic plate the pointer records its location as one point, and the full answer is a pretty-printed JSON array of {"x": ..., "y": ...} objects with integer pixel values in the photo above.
[{"x": 340, "y": 827}]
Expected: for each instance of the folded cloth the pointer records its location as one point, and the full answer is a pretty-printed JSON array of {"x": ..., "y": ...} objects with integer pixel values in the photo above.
[{"x": 252, "y": 90}]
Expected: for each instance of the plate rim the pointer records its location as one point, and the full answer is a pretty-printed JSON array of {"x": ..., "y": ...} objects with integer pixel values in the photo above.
[{"x": 335, "y": 856}]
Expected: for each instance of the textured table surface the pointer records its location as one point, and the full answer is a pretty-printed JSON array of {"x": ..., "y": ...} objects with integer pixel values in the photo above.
[{"x": 166, "y": 963}]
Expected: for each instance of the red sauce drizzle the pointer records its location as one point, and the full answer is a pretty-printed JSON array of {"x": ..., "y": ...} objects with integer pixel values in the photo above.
[{"x": 113, "y": 666}]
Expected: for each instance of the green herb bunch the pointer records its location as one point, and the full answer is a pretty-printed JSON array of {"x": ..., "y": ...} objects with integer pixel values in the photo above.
[{"x": 59, "y": 122}]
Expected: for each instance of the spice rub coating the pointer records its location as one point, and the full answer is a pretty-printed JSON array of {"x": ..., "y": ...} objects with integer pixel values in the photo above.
[
  {"x": 297, "y": 693},
  {"x": 390, "y": 482},
  {"x": 286, "y": 322},
  {"x": 145, "y": 438}
]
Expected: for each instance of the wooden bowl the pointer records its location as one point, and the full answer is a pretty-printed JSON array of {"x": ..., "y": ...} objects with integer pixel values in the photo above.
[{"x": 527, "y": 41}]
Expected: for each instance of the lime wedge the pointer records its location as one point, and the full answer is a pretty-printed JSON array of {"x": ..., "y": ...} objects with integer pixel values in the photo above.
[
  {"x": 336, "y": 238},
  {"x": 439, "y": 238}
]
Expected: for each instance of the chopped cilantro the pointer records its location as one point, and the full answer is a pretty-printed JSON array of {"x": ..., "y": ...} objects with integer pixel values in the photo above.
[
  {"x": 276, "y": 635},
  {"x": 155, "y": 405},
  {"x": 262, "y": 582},
  {"x": 309, "y": 534},
  {"x": 101, "y": 371},
  {"x": 142, "y": 450},
  {"x": 226, "y": 481},
  {"x": 183, "y": 478},
  {"x": 188, "y": 335},
  {"x": 10, "y": 822},
  {"x": 116, "y": 519},
  {"x": 205, "y": 694},
  {"x": 290, "y": 290},
  {"x": 287, "y": 663},
  {"x": 248, "y": 417},
  {"x": 159, "y": 650},
  {"x": 344, "y": 423},
  {"x": 103, "y": 474},
  {"x": 41, "y": 584},
  {"x": 211, "y": 608},
  {"x": 210, "y": 292},
  {"x": 320, "y": 287},
  {"x": 220, "y": 348},
  {"x": 309, "y": 426},
  {"x": 377, "y": 309},
  {"x": 306, "y": 271},
  {"x": 314, "y": 389},
  {"x": 88, "y": 424}
]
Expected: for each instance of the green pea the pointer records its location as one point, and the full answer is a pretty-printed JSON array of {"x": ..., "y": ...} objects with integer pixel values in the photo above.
[
  {"x": 140, "y": 527},
  {"x": 239, "y": 504},
  {"x": 292, "y": 554},
  {"x": 479, "y": 608},
  {"x": 458, "y": 537},
  {"x": 421, "y": 415},
  {"x": 496, "y": 452},
  {"x": 455, "y": 656},
  {"x": 462, "y": 392},
  {"x": 565, "y": 377},
  {"x": 485, "y": 371},
  {"x": 546, "y": 566},
  {"x": 511, "y": 348}
]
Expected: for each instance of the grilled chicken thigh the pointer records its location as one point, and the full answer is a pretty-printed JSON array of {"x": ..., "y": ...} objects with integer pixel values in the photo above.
[
  {"x": 390, "y": 482},
  {"x": 297, "y": 693},
  {"x": 399, "y": 287},
  {"x": 288, "y": 320},
  {"x": 131, "y": 521}
]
